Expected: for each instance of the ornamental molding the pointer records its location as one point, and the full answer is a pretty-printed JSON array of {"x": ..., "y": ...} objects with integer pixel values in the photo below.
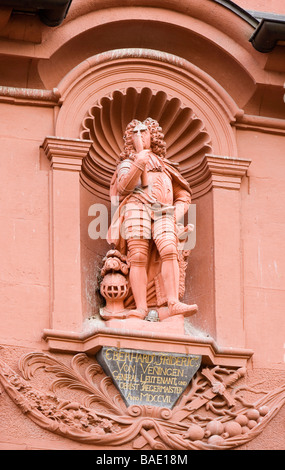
[
  {"x": 214, "y": 413},
  {"x": 100, "y": 76},
  {"x": 167, "y": 61},
  {"x": 260, "y": 124},
  {"x": 66, "y": 154},
  {"x": 215, "y": 171}
]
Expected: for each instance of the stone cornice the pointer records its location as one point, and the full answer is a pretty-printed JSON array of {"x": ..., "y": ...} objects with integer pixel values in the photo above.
[
  {"x": 33, "y": 96},
  {"x": 66, "y": 154},
  {"x": 217, "y": 172},
  {"x": 260, "y": 124}
]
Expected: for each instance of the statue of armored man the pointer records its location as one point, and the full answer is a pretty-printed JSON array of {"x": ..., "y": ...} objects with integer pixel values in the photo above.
[{"x": 146, "y": 230}]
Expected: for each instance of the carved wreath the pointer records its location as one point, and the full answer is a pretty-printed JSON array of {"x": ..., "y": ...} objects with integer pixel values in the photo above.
[{"x": 211, "y": 414}]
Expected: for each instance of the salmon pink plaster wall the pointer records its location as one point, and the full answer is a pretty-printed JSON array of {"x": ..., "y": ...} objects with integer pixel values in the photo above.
[
  {"x": 262, "y": 210},
  {"x": 271, "y": 6},
  {"x": 24, "y": 223}
]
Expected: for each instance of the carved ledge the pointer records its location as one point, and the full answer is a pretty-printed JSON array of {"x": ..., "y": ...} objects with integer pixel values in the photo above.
[
  {"x": 32, "y": 96},
  {"x": 66, "y": 154},
  {"x": 260, "y": 124},
  {"x": 215, "y": 171},
  {"x": 162, "y": 86},
  {"x": 91, "y": 343}
]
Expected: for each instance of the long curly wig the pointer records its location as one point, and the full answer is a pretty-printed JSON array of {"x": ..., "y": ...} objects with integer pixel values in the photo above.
[{"x": 158, "y": 146}]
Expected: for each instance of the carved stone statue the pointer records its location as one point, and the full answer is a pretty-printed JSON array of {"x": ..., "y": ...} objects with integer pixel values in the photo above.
[{"x": 146, "y": 227}]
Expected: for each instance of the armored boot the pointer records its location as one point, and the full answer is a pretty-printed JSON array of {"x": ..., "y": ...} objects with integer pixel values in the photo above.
[{"x": 179, "y": 308}]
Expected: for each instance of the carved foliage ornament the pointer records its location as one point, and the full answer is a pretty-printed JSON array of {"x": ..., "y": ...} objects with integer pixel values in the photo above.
[{"x": 211, "y": 414}]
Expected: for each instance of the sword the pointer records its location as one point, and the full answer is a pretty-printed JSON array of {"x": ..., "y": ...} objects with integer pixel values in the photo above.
[{"x": 218, "y": 388}]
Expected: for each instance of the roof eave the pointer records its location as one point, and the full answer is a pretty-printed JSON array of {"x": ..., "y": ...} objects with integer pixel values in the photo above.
[{"x": 267, "y": 35}]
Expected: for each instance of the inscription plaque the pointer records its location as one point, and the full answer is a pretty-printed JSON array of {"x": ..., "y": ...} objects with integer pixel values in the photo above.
[{"x": 146, "y": 377}]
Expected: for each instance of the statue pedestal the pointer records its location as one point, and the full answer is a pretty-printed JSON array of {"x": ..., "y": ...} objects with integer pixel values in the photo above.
[{"x": 174, "y": 324}]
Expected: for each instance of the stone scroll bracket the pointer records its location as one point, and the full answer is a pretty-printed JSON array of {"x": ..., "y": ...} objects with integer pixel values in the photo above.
[{"x": 65, "y": 156}]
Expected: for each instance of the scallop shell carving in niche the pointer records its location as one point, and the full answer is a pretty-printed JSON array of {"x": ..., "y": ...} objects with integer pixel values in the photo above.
[{"x": 187, "y": 140}]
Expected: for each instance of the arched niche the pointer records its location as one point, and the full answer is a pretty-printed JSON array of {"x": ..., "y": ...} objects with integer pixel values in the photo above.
[
  {"x": 98, "y": 98},
  {"x": 101, "y": 75},
  {"x": 187, "y": 143},
  {"x": 186, "y": 137}
]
